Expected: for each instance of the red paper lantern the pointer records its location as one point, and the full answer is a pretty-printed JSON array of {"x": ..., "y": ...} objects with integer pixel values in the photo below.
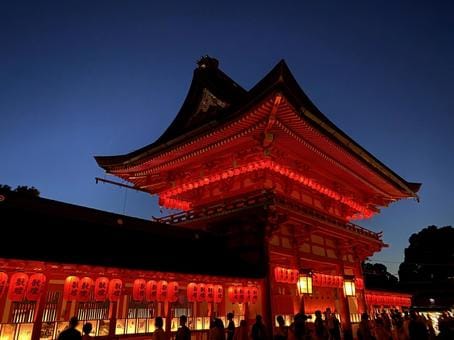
[
  {"x": 115, "y": 286},
  {"x": 293, "y": 276},
  {"x": 373, "y": 300},
  {"x": 330, "y": 281},
  {"x": 85, "y": 286},
  {"x": 210, "y": 293},
  {"x": 101, "y": 287},
  {"x": 151, "y": 291},
  {"x": 191, "y": 292},
  {"x": 241, "y": 294},
  {"x": 3, "y": 283},
  {"x": 254, "y": 294},
  {"x": 232, "y": 294},
  {"x": 138, "y": 289},
  {"x": 17, "y": 286},
  {"x": 247, "y": 294},
  {"x": 35, "y": 287},
  {"x": 71, "y": 288},
  {"x": 359, "y": 283},
  {"x": 278, "y": 274},
  {"x": 172, "y": 291},
  {"x": 218, "y": 293},
  {"x": 315, "y": 280},
  {"x": 162, "y": 290},
  {"x": 201, "y": 292},
  {"x": 285, "y": 275}
]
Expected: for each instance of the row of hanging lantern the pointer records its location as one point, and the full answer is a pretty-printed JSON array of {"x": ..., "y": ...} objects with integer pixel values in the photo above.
[
  {"x": 151, "y": 290},
  {"x": 22, "y": 286},
  {"x": 243, "y": 294},
  {"x": 79, "y": 289},
  {"x": 285, "y": 275},
  {"x": 198, "y": 292},
  {"x": 169, "y": 202},
  {"x": 76, "y": 289},
  {"x": 330, "y": 281},
  {"x": 380, "y": 299},
  {"x": 305, "y": 280}
]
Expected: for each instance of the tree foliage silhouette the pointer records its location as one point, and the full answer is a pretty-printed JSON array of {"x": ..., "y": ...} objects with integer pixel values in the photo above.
[
  {"x": 376, "y": 276},
  {"x": 429, "y": 257},
  {"x": 20, "y": 189}
]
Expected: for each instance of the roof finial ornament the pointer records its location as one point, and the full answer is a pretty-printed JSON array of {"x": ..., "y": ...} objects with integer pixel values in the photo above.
[{"x": 207, "y": 62}]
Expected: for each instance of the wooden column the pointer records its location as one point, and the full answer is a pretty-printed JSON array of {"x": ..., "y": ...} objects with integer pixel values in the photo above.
[
  {"x": 40, "y": 305},
  {"x": 113, "y": 318}
]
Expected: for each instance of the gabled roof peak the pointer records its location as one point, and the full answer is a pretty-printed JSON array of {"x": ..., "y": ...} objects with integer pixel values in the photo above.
[{"x": 207, "y": 62}]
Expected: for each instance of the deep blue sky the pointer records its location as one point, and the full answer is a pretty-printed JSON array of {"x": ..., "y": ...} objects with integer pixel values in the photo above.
[{"x": 84, "y": 78}]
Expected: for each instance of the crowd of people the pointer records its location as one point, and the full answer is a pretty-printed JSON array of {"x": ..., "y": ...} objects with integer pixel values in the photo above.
[
  {"x": 405, "y": 326},
  {"x": 392, "y": 325},
  {"x": 71, "y": 333}
]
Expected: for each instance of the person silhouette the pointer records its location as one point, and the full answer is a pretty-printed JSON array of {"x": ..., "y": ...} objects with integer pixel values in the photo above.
[
  {"x": 159, "y": 334},
  {"x": 281, "y": 330},
  {"x": 230, "y": 326},
  {"x": 259, "y": 330},
  {"x": 183, "y": 332},
  {"x": 86, "y": 329},
  {"x": 71, "y": 333}
]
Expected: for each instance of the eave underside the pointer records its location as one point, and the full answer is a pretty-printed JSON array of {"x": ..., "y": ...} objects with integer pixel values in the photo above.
[
  {"x": 298, "y": 115},
  {"x": 288, "y": 130}
]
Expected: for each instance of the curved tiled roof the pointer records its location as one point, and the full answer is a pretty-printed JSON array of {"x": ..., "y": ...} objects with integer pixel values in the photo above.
[{"x": 231, "y": 101}]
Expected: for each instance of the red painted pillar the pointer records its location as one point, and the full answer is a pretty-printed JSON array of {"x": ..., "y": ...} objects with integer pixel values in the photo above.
[
  {"x": 40, "y": 304},
  {"x": 112, "y": 318}
]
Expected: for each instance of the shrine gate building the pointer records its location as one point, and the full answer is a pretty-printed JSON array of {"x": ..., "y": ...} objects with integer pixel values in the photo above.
[{"x": 264, "y": 189}]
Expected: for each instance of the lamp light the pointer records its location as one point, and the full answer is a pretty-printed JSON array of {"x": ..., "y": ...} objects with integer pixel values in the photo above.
[
  {"x": 349, "y": 286},
  {"x": 304, "y": 283}
]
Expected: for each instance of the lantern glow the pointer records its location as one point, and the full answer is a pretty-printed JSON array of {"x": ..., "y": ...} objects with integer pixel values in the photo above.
[
  {"x": 304, "y": 283},
  {"x": 349, "y": 286}
]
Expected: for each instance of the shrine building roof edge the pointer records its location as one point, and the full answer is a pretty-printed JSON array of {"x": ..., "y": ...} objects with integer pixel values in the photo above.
[{"x": 233, "y": 101}]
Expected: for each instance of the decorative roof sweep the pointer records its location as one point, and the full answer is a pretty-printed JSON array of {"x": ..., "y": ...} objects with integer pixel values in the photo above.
[
  {"x": 217, "y": 111},
  {"x": 210, "y": 98}
]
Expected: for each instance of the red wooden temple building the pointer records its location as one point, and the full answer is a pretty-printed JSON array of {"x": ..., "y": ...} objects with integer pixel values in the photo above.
[{"x": 265, "y": 188}]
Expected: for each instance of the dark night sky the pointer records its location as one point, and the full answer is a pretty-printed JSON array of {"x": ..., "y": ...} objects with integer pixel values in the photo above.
[{"x": 84, "y": 78}]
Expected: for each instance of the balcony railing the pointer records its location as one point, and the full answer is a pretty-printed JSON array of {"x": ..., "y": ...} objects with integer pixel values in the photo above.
[{"x": 260, "y": 199}]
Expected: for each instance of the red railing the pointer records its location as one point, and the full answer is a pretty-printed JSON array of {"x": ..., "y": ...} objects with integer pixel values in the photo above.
[{"x": 260, "y": 199}]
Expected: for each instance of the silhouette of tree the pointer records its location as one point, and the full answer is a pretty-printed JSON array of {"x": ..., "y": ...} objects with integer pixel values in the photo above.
[
  {"x": 25, "y": 190},
  {"x": 376, "y": 276},
  {"x": 20, "y": 189},
  {"x": 428, "y": 267},
  {"x": 5, "y": 188},
  {"x": 430, "y": 256}
]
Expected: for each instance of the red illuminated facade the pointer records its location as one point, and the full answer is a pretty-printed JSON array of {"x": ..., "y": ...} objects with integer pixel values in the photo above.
[
  {"x": 270, "y": 147},
  {"x": 278, "y": 183}
]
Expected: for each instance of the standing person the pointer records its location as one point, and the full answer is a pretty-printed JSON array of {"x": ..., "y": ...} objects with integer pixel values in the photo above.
[
  {"x": 282, "y": 330},
  {"x": 217, "y": 332},
  {"x": 86, "y": 329},
  {"x": 417, "y": 328},
  {"x": 71, "y": 333},
  {"x": 159, "y": 334},
  {"x": 364, "y": 330},
  {"x": 183, "y": 333},
  {"x": 332, "y": 324},
  {"x": 241, "y": 333},
  {"x": 230, "y": 326},
  {"x": 335, "y": 332},
  {"x": 300, "y": 326},
  {"x": 381, "y": 332},
  {"x": 258, "y": 329},
  {"x": 321, "y": 332}
]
